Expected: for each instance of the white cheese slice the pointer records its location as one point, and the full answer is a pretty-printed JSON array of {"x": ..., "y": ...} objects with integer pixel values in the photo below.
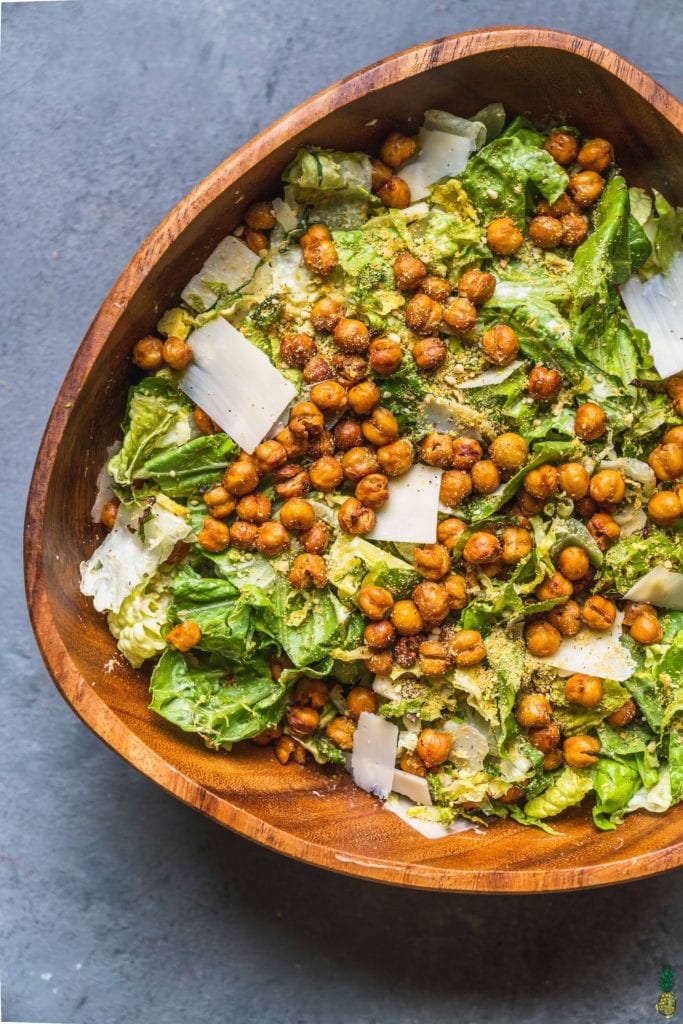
[
  {"x": 659, "y": 587},
  {"x": 656, "y": 307},
  {"x": 400, "y": 806},
  {"x": 373, "y": 757},
  {"x": 596, "y": 654},
  {"x": 291, "y": 276},
  {"x": 411, "y": 513},
  {"x": 412, "y": 786},
  {"x": 494, "y": 375},
  {"x": 231, "y": 263},
  {"x": 440, "y": 155},
  {"x": 235, "y": 383},
  {"x": 284, "y": 214}
]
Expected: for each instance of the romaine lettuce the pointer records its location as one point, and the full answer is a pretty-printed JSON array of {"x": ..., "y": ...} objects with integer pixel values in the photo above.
[{"x": 157, "y": 417}]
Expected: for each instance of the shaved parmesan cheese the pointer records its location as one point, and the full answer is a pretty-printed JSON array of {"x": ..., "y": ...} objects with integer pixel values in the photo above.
[
  {"x": 231, "y": 264},
  {"x": 412, "y": 786},
  {"x": 631, "y": 521},
  {"x": 447, "y": 416},
  {"x": 443, "y": 121},
  {"x": 104, "y": 485},
  {"x": 596, "y": 654},
  {"x": 494, "y": 375},
  {"x": 660, "y": 587},
  {"x": 410, "y": 515},
  {"x": 469, "y": 747},
  {"x": 291, "y": 276},
  {"x": 656, "y": 307},
  {"x": 235, "y": 383},
  {"x": 440, "y": 155},
  {"x": 400, "y": 806},
  {"x": 373, "y": 757},
  {"x": 284, "y": 214}
]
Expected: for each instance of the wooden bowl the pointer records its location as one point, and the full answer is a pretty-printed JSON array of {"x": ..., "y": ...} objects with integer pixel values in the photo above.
[{"x": 312, "y": 813}]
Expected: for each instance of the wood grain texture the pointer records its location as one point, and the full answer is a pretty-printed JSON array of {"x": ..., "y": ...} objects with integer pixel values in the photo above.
[{"x": 313, "y": 813}]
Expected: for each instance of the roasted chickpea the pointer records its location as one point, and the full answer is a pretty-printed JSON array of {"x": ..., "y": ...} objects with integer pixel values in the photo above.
[
  {"x": 340, "y": 730},
  {"x": 270, "y": 454},
  {"x": 297, "y": 514},
  {"x": 511, "y": 795},
  {"x": 148, "y": 353},
  {"x": 542, "y": 639},
  {"x": 381, "y": 427},
  {"x": 517, "y": 543},
  {"x": 214, "y": 535},
  {"x": 311, "y": 691},
  {"x": 364, "y": 397},
  {"x": 437, "y": 288},
  {"x": 500, "y": 345},
  {"x": 307, "y": 572},
  {"x": 413, "y": 764},
  {"x": 527, "y": 505},
  {"x": 406, "y": 618},
  {"x": 315, "y": 540},
  {"x": 433, "y": 747},
  {"x": 667, "y": 462},
  {"x": 562, "y": 146},
  {"x": 552, "y": 760},
  {"x": 509, "y": 451},
  {"x": 433, "y": 658},
  {"x": 623, "y": 715},
  {"x": 545, "y": 737},
  {"x": 347, "y": 435},
  {"x": 664, "y": 508},
  {"x": 396, "y": 149},
  {"x": 326, "y": 313},
  {"x": 302, "y": 721},
  {"x": 329, "y": 396},
  {"x": 373, "y": 490},
  {"x": 432, "y": 561},
  {"x": 573, "y": 480},
  {"x": 574, "y": 229},
  {"x": 243, "y": 535},
  {"x": 396, "y": 458},
  {"x": 555, "y": 586},
  {"x": 253, "y": 508},
  {"x": 674, "y": 389},
  {"x": 456, "y": 485},
  {"x": 351, "y": 336},
  {"x": 360, "y": 699},
  {"x": 380, "y": 663},
  {"x": 320, "y": 445},
  {"x": 326, "y": 474},
  {"x": 456, "y": 588},
  {"x": 224, "y": 510},
  {"x": 449, "y": 530},
  {"x": 260, "y": 217},
  {"x": 355, "y": 518},
  {"x": 647, "y": 630},
  {"x": 177, "y": 353},
  {"x": 604, "y": 530},
  {"x": 269, "y": 735},
  {"x": 632, "y": 609},
  {"x": 430, "y": 354},
  {"x": 596, "y": 155},
  {"x": 466, "y": 452},
  {"x": 590, "y": 422},
  {"x": 292, "y": 481},
  {"x": 294, "y": 445},
  {"x": 433, "y": 602},
  {"x": 184, "y": 636},
  {"x": 409, "y": 271},
  {"x": 272, "y": 538},
  {"x": 321, "y": 257},
  {"x": 485, "y": 476},
  {"x": 286, "y": 748},
  {"x": 586, "y": 187},
  {"x": 573, "y": 562},
  {"x": 466, "y": 647},
  {"x": 375, "y": 602},
  {"x": 482, "y": 549},
  {"x": 674, "y": 436},
  {"x": 423, "y": 315},
  {"x": 359, "y": 462},
  {"x": 580, "y": 751},
  {"x": 545, "y": 232},
  {"x": 533, "y": 711},
  {"x": 437, "y": 450},
  {"x": 110, "y": 511},
  {"x": 598, "y": 613},
  {"x": 257, "y": 241},
  {"x": 503, "y": 237},
  {"x": 350, "y": 369},
  {"x": 379, "y": 635},
  {"x": 542, "y": 482},
  {"x": 307, "y": 418},
  {"x": 407, "y": 649},
  {"x": 544, "y": 384},
  {"x": 608, "y": 485},
  {"x": 562, "y": 206},
  {"x": 385, "y": 356},
  {"x": 586, "y": 691},
  {"x": 394, "y": 193},
  {"x": 460, "y": 314},
  {"x": 476, "y": 286},
  {"x": 204, "y": 422},
  {"x": 315, "y": 233},
  {"x": 380, "y": 174}
]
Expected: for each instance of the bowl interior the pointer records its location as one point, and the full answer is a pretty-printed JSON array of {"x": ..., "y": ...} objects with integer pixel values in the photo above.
[{"x": 316, "y": 813}]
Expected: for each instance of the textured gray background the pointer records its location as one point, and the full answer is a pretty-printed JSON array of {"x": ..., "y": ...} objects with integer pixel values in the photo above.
[{"x": 117, "y": 904}]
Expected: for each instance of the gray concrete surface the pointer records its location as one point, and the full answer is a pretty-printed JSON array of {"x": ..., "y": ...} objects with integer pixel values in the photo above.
[{"x": 117, "y": 904}]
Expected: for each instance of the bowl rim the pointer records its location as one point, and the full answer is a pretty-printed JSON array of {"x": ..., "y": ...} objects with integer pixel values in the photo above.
[{"x": 93, "y": 711}]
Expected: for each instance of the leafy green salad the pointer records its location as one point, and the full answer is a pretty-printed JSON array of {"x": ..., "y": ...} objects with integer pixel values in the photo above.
[{"x": 399, "y": 487}]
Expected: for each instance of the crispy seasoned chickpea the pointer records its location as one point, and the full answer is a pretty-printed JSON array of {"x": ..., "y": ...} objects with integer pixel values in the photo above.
[
  {"x": 632, "y": 609},
  {"x": 380, "y": 174},
  {"x": 373, "y": 490},
  {"x": 272, "y": 538},
  {"x": 321, "y": 257},
  {"x": 552, "y": 760},
  {"x": 604, "y": 530},
  {"x": 257, "y": 241},
  {"x": 544, "y": 384},
  {"x": 396, "y": 458},
  {"x": 360, "y": 699},
  {"x": 429, "y": 354},
  {"x": 184, "y": 636},
  {"x": 379, "y": 635},
  {"x": 110, "y": 511},
  {"x": 294, "y": 444},
  {"x": 608, "y": 485},
  {"x": 316, "y": 370},
  {"x": 409, "y": 271},
  {"x": 553, "y": 587},
  {"x": 562, "y": 146},
  {"x": 511, "y": 795},
  {"x": 456, "y": 588},
  {"x": 394, "y": 193},
  {"x": 375, "y": 602},
  {"x": 243, "y": 535},
  {"x": 242, "y": 476},
  {"x": 580, "y": 751},
  {"x": 517, "y": 543},
  {"x": 270, "y": 454},
  {"x": 485, "y": 476},
  {"x": 326, "y": 313},
  {"x": 562, "y": 206},
  {"x": 315, "y": 233},
  {"x": 326, "y": 474},
  {"x": 623, "y": 715},
  {"x": 449, "y": 530},
  {"x": 350, "y": 369},
  {"x": 340, "y": 730},
  {"x": 433, "y": 658},
  {"x": 364, "y": 397},
  {"x": 586, "y": 691},
  {"x": 545, "y": 737},
  {"x": 214, "y": 535},
  {"x": 306, "y": 417},
  {"x": 466, "y": 647},
  {"x": 347, "y": 435},
  {"x": 407, "y": 619},
  {"x": 590, "y": 422},
  {"x": 433, "y": 602},
  {"x": 286, "y": 748},
  {"x": 396, "y": 149},
  {"x": 664, "y": 508},
  {"x": 482, "y": 549},
  {"x": 542, "y": 482},
  {"x": 307, "y": 572},
  {"x": 355, "y": 518},
  {"x": 533, "y": 711},
  {"x": 500, "y": 345},
  {"x": 407, "y": 649},
  {"x": 674, "y": 389},
  {"x": 297, "y": 349},
  {"x": 297, "y": 514},
  {"x": 292, "y": 481},
  {"x": 433, "y": 747},
  {"x": 385, "y": 356},
  {"x": 596, "y": 155},
  {"x": 545, "y": 232},
  {"x": 381, "y": 427},
  {"x": 476, "y": 286},
  {"x": 542, "y": 639},
  {"x": 674, "y": 436},
  {"x": 269, "y": 735},
  {"x": 527, "y": 505},
  {"x": 329, "y": 396},
  {"x": 466, "y": 452},
  {"x": 646, "y": 630},
  {"x": 460, "y": 314},
  {"x": 302, "y": 721},
  {"x": 177, "y": 353},
  {"x": 379, "y": 663},
  {"x": 586, "y": 187},
  {"x": 509, "y": 451},
  {"x": 253, "y": 508},
  {"x": 423, "y": 315},
  {"x": 148, "y": 353},
  {"x": 259, "y": 216},
  {"x": 315, "y": 539},
  {"x": 598, "y": 613},
  {"x": 436, "y": 287},
  {"x": 223, "y": 510},
  {"x": 437, "y": 450},
  {"x": 322, "y": 444},
  {"x": 204, "y": 422},
  {"x": 315, "y": 692},
  {"x": 413, "y": 764},
  {"x": 573, "y": 562},
  {"x": 351, "y": 336},
  {"x": 359, "y": 462},
  {"x": 432, "y": 561},
  {"x": 456, "y": 485},
  {"x": 503, "y": 237},
  {"x": 574, "y": 229},
  {"x": 573, "y": 480},
  {"x": 667, "y": 462}
]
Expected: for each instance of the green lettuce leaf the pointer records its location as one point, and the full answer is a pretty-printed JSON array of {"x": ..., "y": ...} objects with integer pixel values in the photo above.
[
  {"x": 482, "y": 508},
  {"x": 336, "y": 186},
  {"x": 354, "y": 562},
  {"x": 139, "y": 623},
  {"x": 574, "y": 720},
  {"x": 631, "y": 558},
  {"x": 194, "y": 466},
  {"x": 568, "y": 788},
  {"x": 604, "y": 258},
  {"x": 157, "y": 418},
  {"x": 655, "y": 685},
  {"x": 616, "y": 780},
  {"x": 402, "y": 394},
  {"x": 660, "y": 223}
]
